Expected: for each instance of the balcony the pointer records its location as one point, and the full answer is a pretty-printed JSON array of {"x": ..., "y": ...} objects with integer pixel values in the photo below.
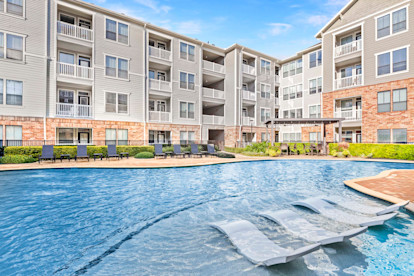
[
  {"x": 159, "y": 116},
  {"x": 214, "y": 67},
  {"x": 160, "y": 53},
  {"x": 276, "y": 101},
  {"x": 74, "y": 31},
  {"x": 277, "y": 79},
  {"x": 249, "y": 69},
  {"x": 213, "y": 120},
  {"x": 249, "y": 95},
  {"x": 248, "y": 121},
  {"x": 213, "y": 93},
  {"x": 73, "y": 110},
  {"x": 75, "y": 71},
  {"x": 349, "y": 115},
  {"x": 348, "y": 82},
  {"x": 348, "y": 48},
  {"x": 160, "y": 85}
]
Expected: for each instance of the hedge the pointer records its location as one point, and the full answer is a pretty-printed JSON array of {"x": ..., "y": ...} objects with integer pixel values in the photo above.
[
  {"x": 16, "y": 159},
  {"x": 264, "y": 146},
  {"x": 225, "y": 155},
  {"x": 144, "y": 155},
  {"x": 234, "y": 150},
  {"x": 72, "y": 150},
  {"x": 383, "y": 151}
]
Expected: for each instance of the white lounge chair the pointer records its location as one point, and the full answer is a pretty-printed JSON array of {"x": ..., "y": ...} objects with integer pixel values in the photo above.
[
  {"x": 328, "y": 210},
  {"x": 256, "y": 247},
  {"x": 362, "y": 208},
  {"x": 308, "y": 231}
]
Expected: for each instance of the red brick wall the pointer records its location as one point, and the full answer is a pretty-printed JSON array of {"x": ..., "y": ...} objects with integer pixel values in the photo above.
[
  {"x": 32, "y": 127},
  {"x": 307, "y": 130}
]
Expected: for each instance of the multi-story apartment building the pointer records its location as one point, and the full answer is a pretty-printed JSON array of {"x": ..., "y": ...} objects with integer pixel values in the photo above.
[{"x": 73, "y": 72}]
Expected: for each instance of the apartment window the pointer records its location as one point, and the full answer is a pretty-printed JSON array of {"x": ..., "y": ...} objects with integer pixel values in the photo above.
[
  {"x": 1, "y": 91},
  {"x": 299, "y": 91},
  {"x": 314, "y": 111},
  {"x": 123, "y": 137},
  {"x": 14, "y": 7},
  {"x": 116, "y": 67},
  {"x": 13, "y": 46},
  {"x": 286, "y": 114},
  {"x": 286, "y": 93},
  {"x": 116, "y": 103},
  {"x": 110, "y": 136},
  {"x": 285, "y": 70},
  {"x": 292, "y": 114},
  {"x": 299, "y": 113},
  {"x": 399, "y": 23},
  {"x": 187, "y": 137},
  {"x": 292, "y": 92},
  {"x": 186, "y": 110},
  {"x": 187, "y": 51},
  {"x": 384, "y": 101},
  {"x": 384, "y": 64},
  {"x": 265, "y": 67},
  {"x": 315, "y": 137},
  {"x": 399, "y": 60},
  {"x": 14, "y": 92},
  {"x": 315, "y": 59},
  {"x": 383, "y": 26},
  {"x": 117, "y": 31},
  {"x": 186, "y": 81},
  {"x": 159, "y": 136},
  {"x": 299, "y": 64},
  {"x": 14, "y": 135},
  {"x": 399, "y": 100},
  {"x": 399, "y": 136},
  {"x": 1, "y": 135},
  {"x": 264, "y": 114},
  {"x": 265, "y": 91},
  {"x": 315, "y": 85}
]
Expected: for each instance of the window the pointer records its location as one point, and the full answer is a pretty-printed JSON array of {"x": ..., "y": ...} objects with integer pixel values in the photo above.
[
  {"x": 159, "y": 137},
  {"x": 14, "y": 92},
  {"x": 14, "y": 46},
  {"x": 186, "y": 110},
  {"x": 399, "y": 136},
  {"x": 14, "y": 7},
  {"x": 187, "y": 137},
  {"x": 292, "y": 92},
  {"x": 286, "y": 93},
  {"x": 346, "y": 40},
  {"x": 397, "y": 58},
  {"x": 263, "y": 136},
  {"x": 1, "y": 91},
  {"x": 383, "y": 26},
  {"x": 286, "y": 114},
  {"x": 315, "y": 85},
  {"x": 384, "y": 64},
  {"x": 292, "y": 68},
  {"x": 299, "y": 113},
  {"x": 1, "y": 135},
  {"x": 116, "y": 103},
  {"x": 315, "y": 137},
  {"x": 122, "y": 136},
  {"x": 1, "y": 45},
  {"x": 285, "y": 70},
  {"x": 314, "y": 111},
  {"x": 187, "y": 81},
  {"x": 116, "y": 67},
  {"x": 117, "y": 31},
  {"x": 399, "y": 100},
  {"x": 384, "y": 101},
  {"x": 110, "y": 136},
  {"x": 265, "y": 67},
  {"x": 14, "y": 135},
  {"x": 264, "y": 114},
  {"x": 292, "y": 114},
  {"x": 292, "y": 137},
  {"x": 187, "y": 51},
  {"x": 265, "y": 91},
  {"x": 299, "y": 92},
  {"x": 299, "y": 66},
  {"x": 399, "y": 23},
  {"x": 315, "y": 59}
]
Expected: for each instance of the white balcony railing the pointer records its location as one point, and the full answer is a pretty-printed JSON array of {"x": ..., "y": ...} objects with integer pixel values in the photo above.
[
  {"x": 247, "y": 121},
  {"x": 349, "y": 115},
  {"x": 249, "y": 95},
  {"x": 348, "y": 48},
  {"x": 213, "y": 120},
  {"x": 276, "y": 101},
  {"x": 159, "y": 53},
  {"x": 73, "y": 110},
  {"x": 75, "y": 71},
  {"x": 74, "y": 31},
  {"x": 277, "y": 79},
  {"x": 159, "y": 116},
  {"x": 249, "y": 69},
  {"x": 348, "y": 82},
  {"x": 160, "y": 85},
  {"x": 213, "y": 93},
  {"x": 212, "y": 66}
]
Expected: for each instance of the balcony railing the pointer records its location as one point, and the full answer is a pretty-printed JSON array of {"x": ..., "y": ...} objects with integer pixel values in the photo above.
[
  {"x": 159, "y": 116},
  {"x": 159, "y": 53},
  {"x": 348, "y": 48},
  {"x": 277, "y": 79},
  {"x": 249, "y": 95},
  {"x": 249, "y": 69},
  {"x": 213, "y": 93},
  {"x": 160, "y": 85},
  {"x": 213, "y": 120},
  {"x": 248, "y": 121},
  {"x": 73, "y": 110},
  {"x": 75, "y": 71},
  {"x": 276, "y": 101},
  {"x": 212, "y": 66},
  {"x": 349, "y": 82},
  {"x": 74, "y": 31},
  {"x": 349, "y": 115}
]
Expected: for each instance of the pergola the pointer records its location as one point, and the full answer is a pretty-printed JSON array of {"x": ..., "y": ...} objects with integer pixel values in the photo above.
[{"x": 307, "y": 121}]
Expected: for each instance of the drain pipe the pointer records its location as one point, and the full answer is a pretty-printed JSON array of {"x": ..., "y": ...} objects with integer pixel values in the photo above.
[{"x": 145, "y": 84}]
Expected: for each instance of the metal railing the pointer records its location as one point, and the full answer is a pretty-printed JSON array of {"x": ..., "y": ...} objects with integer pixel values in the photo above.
[
  {"x": 73, "y": 110},
  {"x": 348, "y": 48},
  {"x": 249, "y": 69},
  {"x": 75, "y": 71},
  {"x": 213, "y": 120},
  {"x": 160, "y": 53},
  {"x": 249, "y": 95},
  {"x": 348, "y": 82},
  {"x": 159, "y": 116},
  {"x": 160, "y": 85},
  {"x": 349, "y": 115},
  {"x": 213, "y": 93},
  {"x": 212, "y": 66},
  {"x": 66, "y": 29}
]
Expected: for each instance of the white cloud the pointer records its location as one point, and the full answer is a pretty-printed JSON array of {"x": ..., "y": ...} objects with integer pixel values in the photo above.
[
  {"x": 317, "y": 20},
  {"x": 337, "y": 2},
  {"x": 278, "y": 28},
  {"x": 190, "y": 27},
  {"x": 154, "y": 5}
]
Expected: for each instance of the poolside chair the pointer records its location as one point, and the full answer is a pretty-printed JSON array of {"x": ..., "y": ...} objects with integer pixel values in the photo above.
[
  {"x": 112, "y": 152},
  {"x": 158, "y": 151},
  {"x": 81, "y": 152},
  {"x": 256, "y": 247},
  {"x": 177, "y": 151},
  {"x": 195, "y": 151},
  {"x": 308, "y": 150},
  {"x": 211, "y": 151},
  {"x": 314, "y": 149},
  {"x": 47, "y": 153},
  {"x": 284, "y": 148}
]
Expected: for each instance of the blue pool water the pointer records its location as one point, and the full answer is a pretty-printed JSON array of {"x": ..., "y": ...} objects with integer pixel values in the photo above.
[{"x": 155, "y": 221}]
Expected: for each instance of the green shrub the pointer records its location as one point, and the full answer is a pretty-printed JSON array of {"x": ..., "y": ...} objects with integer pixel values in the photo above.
[
  {"x": 383, "y": 151},
  {"x": 334, "y": 153},
  {"x": 144, "y": 155},
  {"x": 346, "y": 153},
  {"x": 340, "y": 155},
  {"x": 16, "y": 159},
  {"x": 274, "y": 152},
  {"x": 248, "y": 153},
  {"x": 257, "y": 147},
  {"x": 225, "y": 155},
  {"x": 1, "y": 151},
  {"x": 234, "y": 150},
  {"x": 167, "y": 149}
]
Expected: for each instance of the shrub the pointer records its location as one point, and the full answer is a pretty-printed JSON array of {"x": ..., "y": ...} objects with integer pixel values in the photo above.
[
  {"x": 248, "y": 153},
  {"x": 370, "y": 155},
  {"x": 339, "y": 154},
  {"x": 1, "y": 151},
  {"x": 385, "y": 151},
  {"x": 234, "y": 150},
  {"x": 225, "y": 155},
  {"x": 16, "y": 159},
  {"x": 274, "y": 152},
  {"x": 334, "y": 153},
  {"x": 167, "y": 149},
  {"x": 343, "y": 146},
  {"x": 144, "y": 155},
  {"x": 346, "y": 153},
  {"x": 257, "y": 147}
]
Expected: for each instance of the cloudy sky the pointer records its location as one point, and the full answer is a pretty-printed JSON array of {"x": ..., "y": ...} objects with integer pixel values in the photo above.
[{"x": 276, "y": 27}]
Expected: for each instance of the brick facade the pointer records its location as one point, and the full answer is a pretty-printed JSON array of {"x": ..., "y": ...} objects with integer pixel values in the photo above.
[
  {"x": 308, "y": 129},
  {"x": 32, "y": 127}
]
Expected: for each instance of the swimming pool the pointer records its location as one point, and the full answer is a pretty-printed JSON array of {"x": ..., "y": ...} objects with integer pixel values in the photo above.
[{"x": 155, "y": 221}]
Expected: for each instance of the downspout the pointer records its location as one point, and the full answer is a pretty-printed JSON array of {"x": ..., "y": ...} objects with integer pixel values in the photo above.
[
  {"x": 200, "y": 98},
  {"x": 47, "y": 39},
  {"x": 145, "y": 84},
  {"x": 239, "y": 88}
]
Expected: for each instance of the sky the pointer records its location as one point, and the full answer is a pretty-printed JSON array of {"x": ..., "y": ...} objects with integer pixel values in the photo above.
[{"x": 279, "y": 28}]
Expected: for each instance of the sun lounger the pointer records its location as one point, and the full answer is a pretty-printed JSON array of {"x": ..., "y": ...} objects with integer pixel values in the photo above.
[
  {"x": 308, "y": 231},
  {"x": 362, "y": 208},
  {"x": 81, "y": 152},
  {"x": 194, "y": 151},
  {"x": 211, "y": 150},
  {"x": 328, "y": 210},
  {"x": 177, "y": 151},
  {"x": 158, "y": 151},
  {"x": 112, "y": 152},
  {"x": 256, "y": 247},
  {"x": 47, "y": 153}
]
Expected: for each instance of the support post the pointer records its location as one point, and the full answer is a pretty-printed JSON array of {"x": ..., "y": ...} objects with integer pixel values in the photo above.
[
  {"x": 267, "y": 132},
  {"x": 340, "y": 131},
  {"x": 272, "y": 134},
  {"x": 324, "y": 139}
]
